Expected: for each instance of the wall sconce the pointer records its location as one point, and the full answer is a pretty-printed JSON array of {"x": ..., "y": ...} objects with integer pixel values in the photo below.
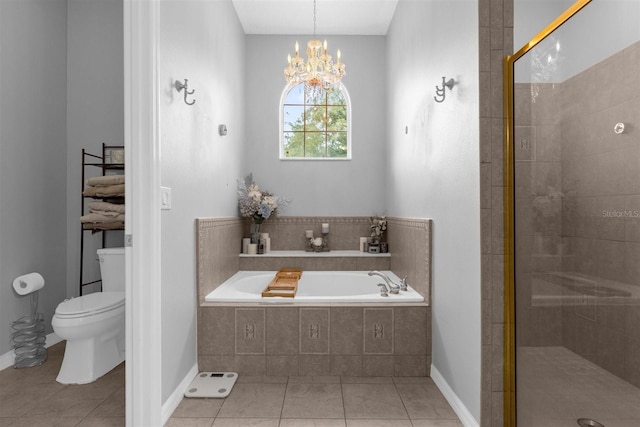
[
  {"x": 440, "y": 92},
  {"x": 179, "y": 86}
]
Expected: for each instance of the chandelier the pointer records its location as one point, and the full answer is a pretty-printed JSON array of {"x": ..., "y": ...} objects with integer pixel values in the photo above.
[{"x": 319, "y": 72}]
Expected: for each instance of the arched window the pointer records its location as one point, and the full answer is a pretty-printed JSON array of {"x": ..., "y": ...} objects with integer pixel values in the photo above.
[{"x": 315, "y": 125}]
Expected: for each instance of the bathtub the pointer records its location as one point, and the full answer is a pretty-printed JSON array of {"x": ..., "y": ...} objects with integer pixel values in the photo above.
[{"x": 313, "y": 287}]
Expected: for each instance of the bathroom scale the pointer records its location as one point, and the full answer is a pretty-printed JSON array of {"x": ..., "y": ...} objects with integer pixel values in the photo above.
[{"x": 211, "y": 384}]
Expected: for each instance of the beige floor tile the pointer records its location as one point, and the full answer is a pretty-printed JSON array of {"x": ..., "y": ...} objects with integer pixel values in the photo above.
[
  {"x": 328, "y": 379},
  {"x": 198, "y": 408},
  {"x": 425, "y": 401},
  {"x": 243, "y": 379},
  {"x": 64, "y": 407},
  {"x": 5, "y": 422},
  {"x": 367, "y": 380},
  {"x": 412, "y": 380},
  {"x": 189, "y": 422},
  {"x": 313, "y": 422},
  {"x": 438, "y": 423},
  {"x": 18, "y": 399},
  {"x": 377, "y": 423},
  {"x": 96, "y": 390},
  {"x": 372, "y": 401},
  {"x": 46, "y": 422},
  {"x": 313, "y": 401},
  {"x": 254, "y": 400},
  {"x": 114, "y": 405},
  {"x": 103, "y": 422},
  {"x": 246, "y": 422}
]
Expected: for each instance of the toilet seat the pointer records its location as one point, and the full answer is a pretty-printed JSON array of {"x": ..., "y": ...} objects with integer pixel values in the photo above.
[{"x": 89, "y": 305}]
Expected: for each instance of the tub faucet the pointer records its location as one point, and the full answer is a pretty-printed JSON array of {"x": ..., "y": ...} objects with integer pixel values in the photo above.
[
  {"x": 383, "y": 290},
  {"x": 393, "y": 288}
]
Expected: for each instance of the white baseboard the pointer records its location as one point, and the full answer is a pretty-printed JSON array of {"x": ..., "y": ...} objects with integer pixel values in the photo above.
[
  {"x": 456, "y": 404},
  {"x": 176, "y": 397},
  {"x": 7, "y": 359}
]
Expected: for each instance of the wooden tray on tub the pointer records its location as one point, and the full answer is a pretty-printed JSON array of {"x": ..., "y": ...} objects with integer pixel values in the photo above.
[{"x": 284, "y": 284}]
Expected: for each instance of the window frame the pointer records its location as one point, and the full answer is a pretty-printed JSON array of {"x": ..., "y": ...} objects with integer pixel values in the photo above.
[{"x": 281, "y": 139}]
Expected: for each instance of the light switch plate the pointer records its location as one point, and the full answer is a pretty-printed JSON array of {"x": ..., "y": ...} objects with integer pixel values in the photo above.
[{"x": 165, "y": 198}]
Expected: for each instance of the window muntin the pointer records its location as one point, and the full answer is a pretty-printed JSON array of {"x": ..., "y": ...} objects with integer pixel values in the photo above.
[{"x": 315, "y": 126}]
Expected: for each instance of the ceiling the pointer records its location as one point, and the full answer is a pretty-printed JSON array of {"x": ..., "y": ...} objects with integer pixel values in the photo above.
[{"x": 334, "y": 17}]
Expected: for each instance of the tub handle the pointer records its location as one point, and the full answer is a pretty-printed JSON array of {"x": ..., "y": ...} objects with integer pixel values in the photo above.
[{"x": 384, "y": 291}]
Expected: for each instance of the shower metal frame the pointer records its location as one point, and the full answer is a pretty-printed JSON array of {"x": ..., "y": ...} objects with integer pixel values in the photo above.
[{"x": 509, "y": 370}]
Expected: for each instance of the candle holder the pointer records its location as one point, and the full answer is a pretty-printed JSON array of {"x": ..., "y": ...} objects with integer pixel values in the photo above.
[{"x": 318, "y": 244}]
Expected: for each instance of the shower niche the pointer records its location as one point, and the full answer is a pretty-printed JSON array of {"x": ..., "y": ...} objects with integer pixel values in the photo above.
[{"x": 572, "y": 214}]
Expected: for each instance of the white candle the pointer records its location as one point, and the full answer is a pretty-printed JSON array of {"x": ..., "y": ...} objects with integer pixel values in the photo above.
[
  {"x": 363, "y": 240},
  {"x": 309, "y": 234},
  {"x": 253, "y": 248},
  {"x": 245, "y": 245},
  {"x": 325, "y": 227}
]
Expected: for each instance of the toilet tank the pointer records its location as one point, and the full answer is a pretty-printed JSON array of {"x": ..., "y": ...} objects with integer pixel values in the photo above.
[{"x": 112, "y": 269}]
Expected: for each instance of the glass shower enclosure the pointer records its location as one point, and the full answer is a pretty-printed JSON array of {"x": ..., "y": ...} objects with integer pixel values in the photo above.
[{"x": 573, "y": 221}]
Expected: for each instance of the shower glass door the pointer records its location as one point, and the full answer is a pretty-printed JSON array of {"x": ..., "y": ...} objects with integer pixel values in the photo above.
[{"x": 575, "y": 150}]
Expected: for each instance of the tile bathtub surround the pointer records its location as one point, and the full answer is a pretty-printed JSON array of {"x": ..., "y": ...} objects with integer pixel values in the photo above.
[
  {"x": 312, "y": 262},
  {"x": 219, "y": 246},
  {"x": 410, "y": 248},
  {"x": 316, "y": 341},
  {"x": 218, "y": 240}
]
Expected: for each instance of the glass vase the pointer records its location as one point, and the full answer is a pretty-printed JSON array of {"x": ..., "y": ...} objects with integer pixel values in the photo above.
[{"x": 255, "y": 232}]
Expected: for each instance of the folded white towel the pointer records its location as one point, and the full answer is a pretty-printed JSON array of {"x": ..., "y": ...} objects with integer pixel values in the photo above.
[
  {"x": 97, "y": 206},
  {"x": 105, "y": 181}
]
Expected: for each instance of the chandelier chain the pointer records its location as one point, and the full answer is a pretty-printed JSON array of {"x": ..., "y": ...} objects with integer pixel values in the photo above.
[{"x": 314, "y": 18}]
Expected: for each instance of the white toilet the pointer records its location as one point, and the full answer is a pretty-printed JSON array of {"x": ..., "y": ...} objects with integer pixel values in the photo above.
[{"x": 94, "y": 325}]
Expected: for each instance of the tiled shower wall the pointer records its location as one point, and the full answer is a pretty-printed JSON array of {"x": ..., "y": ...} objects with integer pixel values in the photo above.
[
  {"x": 495, "y": 21},
  {"x": 601, "y": 211},
  {"x": 537, "y": 136},
  {"x": 583, "y": 210},
  {"x": 379, "y": 340}
]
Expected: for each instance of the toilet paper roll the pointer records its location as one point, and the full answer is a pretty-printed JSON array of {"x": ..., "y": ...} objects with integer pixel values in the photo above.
[{"x": 28, "y": 283}]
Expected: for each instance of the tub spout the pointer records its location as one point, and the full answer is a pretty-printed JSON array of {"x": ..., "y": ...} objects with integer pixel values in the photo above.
[{"x": 393, "y": 288}]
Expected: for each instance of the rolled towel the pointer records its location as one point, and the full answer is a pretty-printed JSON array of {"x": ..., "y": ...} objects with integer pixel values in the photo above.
[{"x": 105, "y": 181}]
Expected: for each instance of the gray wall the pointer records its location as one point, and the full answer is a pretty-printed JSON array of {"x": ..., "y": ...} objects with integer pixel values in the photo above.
[
  {"x": 95, "y": 114},
  {"x": 61, "y": 81},
  {"x": 320, "y": 187},
  {"x": 434, "y": 171},
  {"x": 204, "y": 43},
  {"x": 32, "y": 154}
]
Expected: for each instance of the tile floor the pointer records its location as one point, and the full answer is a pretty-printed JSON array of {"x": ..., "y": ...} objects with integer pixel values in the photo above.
[
  {"x": 556, "y": 387},
  {"x": 31, "y": 397},
  {"x": 321, "y": 402}
]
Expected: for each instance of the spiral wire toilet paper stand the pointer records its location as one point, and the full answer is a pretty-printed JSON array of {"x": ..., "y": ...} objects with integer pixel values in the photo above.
[{"x": 28, "y": 337}]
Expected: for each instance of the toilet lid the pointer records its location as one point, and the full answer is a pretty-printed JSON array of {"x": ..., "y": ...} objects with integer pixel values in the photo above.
[{"x": 95, "y": 303}]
